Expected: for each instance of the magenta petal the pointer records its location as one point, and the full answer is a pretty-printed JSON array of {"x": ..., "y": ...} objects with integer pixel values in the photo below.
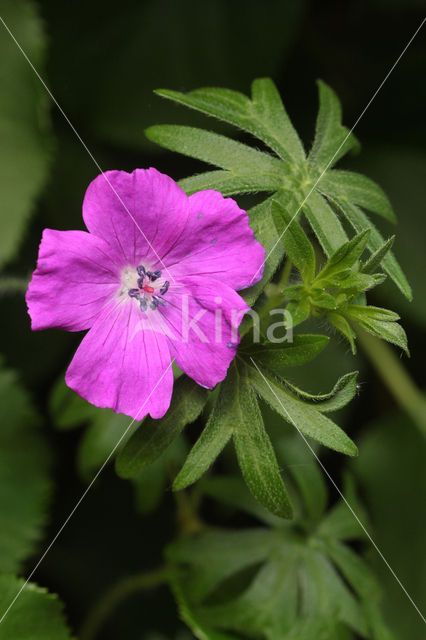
[
  {"x": 122, "y": 365},
  {"x": 75, "y": 278},
  {"x": 141, "y": 214},
  {"x": 203, "y": 318},
  {"x": 217, "y": 241}
]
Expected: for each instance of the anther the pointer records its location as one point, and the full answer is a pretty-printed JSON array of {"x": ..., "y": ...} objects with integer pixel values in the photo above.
[
  {"x": 141, "y": 270},
  {"x": 134, "y": 293},
  {"x": 143, "y": 304},
  {"x": 154, "y": 303},
  {"x": 154, "y": 275},
  {"x": 165, "y": 287}
]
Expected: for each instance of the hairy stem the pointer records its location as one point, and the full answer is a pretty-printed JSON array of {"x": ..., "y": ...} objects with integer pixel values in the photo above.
[
  {"x": 396, "y": 377},
  {"x": 114, "y": 596}
]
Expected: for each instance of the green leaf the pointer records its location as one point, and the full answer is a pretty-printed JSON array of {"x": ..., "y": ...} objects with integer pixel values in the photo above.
[
  {"x": 341, "y": 394},
  {"x": 275, "y": 356},
  {"x": 67, "y": 409},
  {"x": 35, "y": 615},
  {"x": 281, "y": 135},
  {"x": 295, "y": 292},
  {"x": 358, "y": 282},
  {"x": 24, "y": 476},
  {"x": 332, "y": 140},
  {"x": 219, "y": 151},
  {"x": 324, "y": 222},
  {"x": 228, "y": 183},
  {"x": 217, "y": 432},
  {"x": 261, "y": 222},
  {"x": 217, "y": 555},
  {"x": 264, "y": 116},
  {"x": 294, "y": 239},
  {"x": 340, "y": 523},
  {"x": 323, "y": 300},
  {"x": 377, "y": 256},
  {"x": 390, "y": 331},
  {"x": 308, "y": 476},
  {"x": 354, "y": 570},
  {"x": 233, "y": 492},
  {"x": 341, "y": 324},
  {"x": 359, "y": 190},
  {"x": 154, "y": 436},
  {"x": 360, "y": 312},
  {"x": 345, "y": 256},
  {"x": 298, "y": 311},
  {"x": 302, "y": 416},
  {"x": 256, "y": 455},
  {"x": 150, "y": 485},
  {"x": 360, "y": 222},
  {"x": 25, "y": 133},
  {"x": 101, "y": 438}
]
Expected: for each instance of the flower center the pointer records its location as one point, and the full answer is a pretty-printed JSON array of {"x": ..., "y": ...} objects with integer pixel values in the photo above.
[{"x": 150, "y": 289}]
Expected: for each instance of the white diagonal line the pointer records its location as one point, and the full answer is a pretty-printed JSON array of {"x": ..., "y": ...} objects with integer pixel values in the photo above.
[
  {"x": 341, "y": 495},
  {"x": 84, "y": 494},
  {"x": 85, "y": 146},
  {"x": 344, "y": 140}
]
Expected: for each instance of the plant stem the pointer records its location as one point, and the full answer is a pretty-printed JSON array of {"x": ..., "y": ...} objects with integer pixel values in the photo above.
[
  {"x": 396, "y": 377},
  {"x": 186, "y": 513},
  {"x": 114, "y": 596}
]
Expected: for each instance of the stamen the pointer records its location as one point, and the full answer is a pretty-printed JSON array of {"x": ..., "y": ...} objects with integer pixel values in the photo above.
[
  {"x": 145, "y": 294},
  {"x": 154, "y": 275},
  {"x": 165, "y": 288}
]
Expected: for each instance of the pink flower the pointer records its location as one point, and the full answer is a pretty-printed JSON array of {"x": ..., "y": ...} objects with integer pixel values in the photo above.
[{"x": 154, "y": 279}]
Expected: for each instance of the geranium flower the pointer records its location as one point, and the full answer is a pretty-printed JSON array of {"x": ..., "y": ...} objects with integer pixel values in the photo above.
[{"x": 153, "y": 279}]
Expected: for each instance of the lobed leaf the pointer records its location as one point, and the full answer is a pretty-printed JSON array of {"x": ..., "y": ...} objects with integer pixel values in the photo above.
[
  {"x": 262, "y": 223},
  {"x": 25, "y": 130},
  {"x": 24, "y": 476},
  {"x": 228, "y": 183},
  {"x": 264, "y": 116},
  {"x": 341, "y": 394},
  {"x": 35, "y": 615},
  {"x": 360, "y": 222},
  {"x": 215, "y": 435},
  {"x": 344, "y": 257},
  {"x": 256, "y": 455},
  {"x": 154, "y": 436},
  {"x": 218, "y": 150},
  {"x": 357, "y": 189},
  {"x": 377, "y": 256},
  {"x": 332, "y": 139},
  {"x": 301, "y": 415},
  {"x": 324, "y": 222},
  {"x": 294, "y": 239},
  {"x": 302, "y": 349}
]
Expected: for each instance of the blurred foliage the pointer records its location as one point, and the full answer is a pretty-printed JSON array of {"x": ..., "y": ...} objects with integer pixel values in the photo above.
[
  {"x": 24, "y": 475},
  {"x": 24, "y": 122},
  {"x": 102, "y": 62}
]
